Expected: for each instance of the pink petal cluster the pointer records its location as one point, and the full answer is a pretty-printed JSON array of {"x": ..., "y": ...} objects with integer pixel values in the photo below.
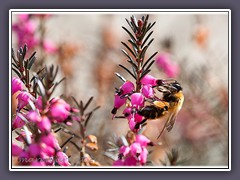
[
  {"x": 120, "y": 96},
  {"x": 59, "y": 110},
  {"x": 169, "y": 67},
  {"x": 18, "y": 122},
  {"x": 23, "y": 99},
  {"x": 135, "y": 154},
  {"x": 17, "y": 85},
  {"x": 26, "y": 30},
  {"x": 44, "y": 152},
  {"x": 135, "y": 100}
]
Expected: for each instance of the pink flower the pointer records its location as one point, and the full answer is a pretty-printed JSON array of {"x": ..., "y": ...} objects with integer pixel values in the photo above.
[
  {"x": 136, "y": 149},
  {"x": 16, "y": 150},
  {"x": 25, "y": 31},
  {"x": 124, "y": 150},
  {"x": 44, "y": 124},
  {"x": 34, "y": 150},
  {"x": 62, "y": 159},
  {"x": 118, "y": 162},
  {"x": 47, "y": 150},
  {"x": 170, "y": 68},
  {"x": 23, "y": 99},
  {"x": 143, "y": 156},
  {"x": 18, "y": 122},
  {"x": 148, "y": 91},
  {"x": 50, "y": 140},
  {"x": 137, "y": 100},
  {"x": 17, "y": 85},
  {"x": 132, "y": 123},
  {"x": 38, "y": 103},
  {"x": 118, "y": 101},
  {"x": 127, "y": 87},
  {"x": 130, "y": 161},
  {"x": 24, "y": 158},
  {"x": 33, "y": 116},
  {"x": 59, "y": 110},
  {"x": 149, "y": 80},
  {"x": 23, "y": 17},
  {"x": 22, "y": 135},
  {"x": 142, "y": 140},
  {"x": 49, "y": 47}
]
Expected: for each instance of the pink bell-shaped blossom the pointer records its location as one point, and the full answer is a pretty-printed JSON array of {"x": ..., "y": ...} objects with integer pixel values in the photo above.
[
  {"x": 34, "y": 150},
  {"x": 44, "y": 124},
  {"x": 50, "y": 140},
  {"x": 143, "y": 155},
  {"x": 17, "y": 85},
  {"x": 23, "y": 99},
  {"x": 39, "y": 104},
  {"x": 22, "y": 136},
  {"x": 62, "y": 159},
  {"x": 148, "y": 91},
  {"x": 118, "y": 162},
  {"x": 149, "y": 80},
  {"x": 18, "y": 122},
  {"x": 59, "y": 110},
  {"x": 16, "y": 150},
  {"x": 49, "y": 47},
  {"x": 24, "y": 158},
  {"x": 130, "y": 161},
  {"x": 23, "y": 17},
  {"x": 33, "y": 116},
  {"x": 127, "y": 87},
  {"x": 132, "y": 123},
  {"x": 46, "y": 150},
  {"x": 142, "y": 140},
  {"x": 124, "y": 150},
  {"x": 169, "y": 67},
  {"x": 136, "y": 149},
  {"x": 137, "y": 100}
]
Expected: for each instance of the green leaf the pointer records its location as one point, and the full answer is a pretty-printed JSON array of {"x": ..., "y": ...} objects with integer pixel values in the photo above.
[
  {"x": 127, "y": 71},
  {"x": 131, "y": 36},
  {"x": 130, "y": 50}
]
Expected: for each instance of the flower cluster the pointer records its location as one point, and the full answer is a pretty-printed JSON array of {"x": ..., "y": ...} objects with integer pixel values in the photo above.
[
  {"x": 134, "y": 101},
  {"x": 135, "y": 154},
  {"x": 44, "y": 151},
  {"x": 26, "y": 28},
  {"x": 55, "y": 111},
  {"x": 169, "y": 67},
  {"x": 134, "y": 95},
  {"x": 43, "y": 148}
]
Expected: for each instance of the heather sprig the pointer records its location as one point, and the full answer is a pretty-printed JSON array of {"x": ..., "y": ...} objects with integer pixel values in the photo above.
[
  {"x": 134, "y": 94},
  {"x": 41, "y": 117}
]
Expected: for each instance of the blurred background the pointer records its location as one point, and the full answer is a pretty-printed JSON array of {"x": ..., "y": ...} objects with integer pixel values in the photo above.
[{"x": 192, "y": 48}]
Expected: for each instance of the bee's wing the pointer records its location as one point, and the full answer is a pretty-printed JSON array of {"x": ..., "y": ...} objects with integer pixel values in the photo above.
[
  {"x": 172, "y": 117},
  {"x": 171, "y": 120}
]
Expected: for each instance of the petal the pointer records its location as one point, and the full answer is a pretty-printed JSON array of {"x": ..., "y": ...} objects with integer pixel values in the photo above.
[
  {"x": 137, "y": 100},
  {"x": 148, "y": 91},
  {"x": 118, "y": 102},
  {"x": 127, "y": 87},
  {"x": 16, "y": 150},
  {"x": 143, "y": 140},
  {"x": 149, "y": 80}
]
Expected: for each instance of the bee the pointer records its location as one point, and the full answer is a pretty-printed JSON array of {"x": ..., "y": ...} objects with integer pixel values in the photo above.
[
  {"x": 173, "y": 95},
  {"x": 154, "y": 111}
]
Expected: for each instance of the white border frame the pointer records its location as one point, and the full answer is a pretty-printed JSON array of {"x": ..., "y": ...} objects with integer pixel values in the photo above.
[{"x": 124, "y": 11}]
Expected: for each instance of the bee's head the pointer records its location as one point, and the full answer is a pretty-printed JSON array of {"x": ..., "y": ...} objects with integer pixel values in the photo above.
[{"x": 177, "y": 86}]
